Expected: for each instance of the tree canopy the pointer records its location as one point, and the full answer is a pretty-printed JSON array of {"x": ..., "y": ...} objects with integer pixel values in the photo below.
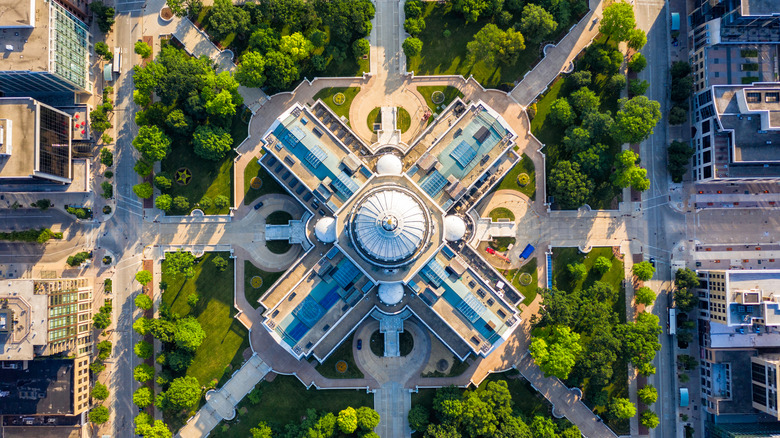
[
  {"x": 98, "y": 414},
  {"x": 179, "y": 263},
  {"x": 496, "y": 45},
  {"x": 648, "y": 394},
  {"x": 644, "y": 295},
  {"x": 568, "y": 185},
  {"x": 622, "y": 408},
  {"x": 536, "y": 22},
  {"x": 643, "y": 270},
  {"x": 144, "y": 277},
  {"x": 636, "y": 119},
  {"x": 211, "y": 143},
  {"x": 143, "y": 372},
  {"x": 618, "y": 21},
  {"x": 183, "y": 393},
  {"x": 152, "y": 143},
  {"x": 189, "y": 334},
  {"x": 142, "y": 397},
  {"x": 556, "y": 351}
]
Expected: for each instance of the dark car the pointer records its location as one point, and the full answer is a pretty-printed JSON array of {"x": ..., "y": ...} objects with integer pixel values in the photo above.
[
  {"x": 360, "y": 344},
  {"x": 652, "y": 261},
  {"x": 258, "y": 205}
]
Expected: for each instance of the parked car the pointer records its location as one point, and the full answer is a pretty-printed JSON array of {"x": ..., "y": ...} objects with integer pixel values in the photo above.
[
  {"x": 490, "y": 250},
  {"x": 360, "y": 344},
  {"x": 258, "y": 205}
]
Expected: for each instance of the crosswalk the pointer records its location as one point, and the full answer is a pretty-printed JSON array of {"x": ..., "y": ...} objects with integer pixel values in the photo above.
[{"x": 129, "y": 5}]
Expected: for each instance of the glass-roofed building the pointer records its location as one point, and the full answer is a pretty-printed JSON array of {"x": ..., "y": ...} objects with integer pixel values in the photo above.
[{"x": 380, "y": 233}]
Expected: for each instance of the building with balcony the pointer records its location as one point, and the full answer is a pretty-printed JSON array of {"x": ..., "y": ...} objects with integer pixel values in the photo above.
[{"x": 46, "y": 49}]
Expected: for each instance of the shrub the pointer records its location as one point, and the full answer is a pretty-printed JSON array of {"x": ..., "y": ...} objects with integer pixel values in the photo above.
[
  {"x": 108, "y": 189},
  {"x": 181, "y": 203},
  {"x": 361, "y": 47},
  {"x": 143, "y": 190},
  {"x": 97, "y": 367},
  {"x": 42, "y": 204},
  {"x": 104, "y": 349},
  {"x": 412, "y": 47},
  {"x": 220, "y": 263},
  {"x": 164, "y": 202},
  {"x": 106, "y": 157},
  {"x": 602, "y": 265},
  {"x": 192, "y": 299},
  {"x": 221, "y": 201},
  {"x": 108, "y": 285},
  {"x": 162, "y": 182},
  {"x": 79, "y": 258},
  {"x": 98, "y": 415}
]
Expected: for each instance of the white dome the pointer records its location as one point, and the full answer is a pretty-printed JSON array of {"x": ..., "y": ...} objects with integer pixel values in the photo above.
[
  {"x": 454, "y": 228},
  {"x": 325, "y": 230},
  {"x": 390, "y": 225},
  {"x": 391, "y": 293},
  {"x": 389, "y": 164}
]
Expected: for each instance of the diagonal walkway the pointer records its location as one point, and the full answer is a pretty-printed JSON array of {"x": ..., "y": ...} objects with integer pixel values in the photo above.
[{"x": 559, "y": 57}]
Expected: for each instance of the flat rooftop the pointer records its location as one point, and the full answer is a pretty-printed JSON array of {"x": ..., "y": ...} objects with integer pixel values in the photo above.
[
  {"x": 466, "y": 302},
  {"x": 764, "y": 8},
  {"x": 455, "y": 160},
  {"x": 41, "y": 386},
  {"x": 16, "y": 15},
  {"x": 753, "y": 114},
  {"x": 316, "y": 155},
  {"x": 24, "y": 312}
]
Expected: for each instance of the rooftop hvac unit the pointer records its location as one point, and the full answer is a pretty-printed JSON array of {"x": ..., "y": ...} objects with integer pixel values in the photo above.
[{"x": 9, "y": 47}]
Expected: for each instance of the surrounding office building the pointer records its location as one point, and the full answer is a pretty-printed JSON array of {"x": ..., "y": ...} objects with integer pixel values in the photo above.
[
  {"x": 46, "y": 49},
  {"x": 742, "y": 300},
  {"x": 733, "y": 44},
  {"x": 35, "y": 142},
  {"x": 45, "y": 335},
  {"x": 764, "y": 382},
  {"x": 383, "y": 236}
]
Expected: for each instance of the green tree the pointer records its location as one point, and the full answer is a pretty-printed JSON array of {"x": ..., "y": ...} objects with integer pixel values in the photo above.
[
  {"x": 250, "y": 72},
  {"x": 221, "y": 106},
  {"x": 618, "y": 21},
  {"x": 142, "y": 168},
  {"x": 419, "y": 418},
  {"x": 638, "y": 87},
  {"x": 162, "y": 182},
  {"x": 685, "y": 299},
  {"x": 221, "y": 201},
  {"x": 648, "y": 394},
  {"x": 636, "y": 119},
  {"x": 622, "y": 408},
  {"x": 361, "y": 47},
  {"x": 584, "y": 101},
  {"x": 144, "y": 277},
  {"x": 101, "y": 320},
  {"x": 413, "y": 8},
  {"x": 183, "y": 393},
  {"x": 104, "y": 15},
  {"x": 189, "y": 334},
  {"x": 104, "y": 349},
  {"x": 568, "y": 185},
  {"x": 640, "y": 339},
  {"x": 347, "y": 420},
  {"x": 142, "y": 397},
  {"x": 181, "y": 203},
  {"x": 220, "y": 263},
  {"x": 681, "y": 89},
  {"x": 261, "y": 431},
  {"x": 680, "y": 154},
  {"x": 98, "y": 414},
  {"x": 143, "y": 349},
  {"x": 143, "y": 49},
  {"x": 649, "y": 419},
  {"x": 225, "y": 18},
  {"x": 677, "y": 116},
  {"x": 579, "y": 79},
  {"x": 556, "y": 352},
  {"x": 638, "y": 62},
  {"x": 413, "y": 26},
  {"x": 686, "y": 278},
  {"x": 178, "y": 122},
  {"x": 205, "y": 202},
  {"x": 102, "y": 50},
  {"x": 97, "y": 367},
  {"x": 471, "y": 9},
  {"x": 142, "y": 325},
  {"x": 179, "y": 263},
  {"x": 266, "y": 40},
  {"x": 367, "y": 418},
  {"x": 594, "y": 160},
  {"x": 577, "y": 271},
  {"x": 192, "y": 299},
  {"x": 143, "y": 190},
  {"x": 536, "y": 22},
  {"x": 617, "y": 82},
  {"x": 296, "y": 46},
  {"x": 412, "y": 47},
  {"x": 680, "y": 69},
  {"x": 163, "y": 202},
  {"x": 156, "y": 430},
  {"x": 602, "y": 265},
  {"x": 152, "y": 143},
  {"x": 644, "y": 295},
  {"x": 561, "y": 112},
  {"x": 211, "y": 143},
  {"x": 280, "y": 70},
  {"x": 576, "y": 140},
  {"x": 106, "y": 157},
  {"x": 627, "y": 173},
  {"x": 492, "y": 44},
  {"x": 99, "y": 391},
  {"x": 543, "y": 427},
  {"x": 643, "y": 270},
  {"x": 637, "y": 38},
  {"x": 143, "y": 372},
  {"x": 319, "y": 38}
]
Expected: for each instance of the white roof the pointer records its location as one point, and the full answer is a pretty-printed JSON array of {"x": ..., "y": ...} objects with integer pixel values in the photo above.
[
  {"x": 391, "y": 293},
  {"x": 454, "y": 228},
  {"x": 389, "y": 164},
  {"x": 325, "y": 230},
  {"x": 390, "y": 225}
]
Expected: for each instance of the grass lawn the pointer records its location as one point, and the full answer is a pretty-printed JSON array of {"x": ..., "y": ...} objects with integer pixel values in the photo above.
[
  {"x": 509, "y": 182},
  {"x": 269, "y": 278},
  {"x": 448, "y": 55},
  {"x": 529, "y": 291},
  {"x": 458, "y": 367},
  {"x": 226, "y": 338},
  {"x": 209, "y": 178},
  {"x": 501, "y": 213},
  {"x": 450, "y": 93},
  {"x": 375, "y": 116},
  {"x": 343, "y": 352},
  {"x": 270, "y": 185},
  {"x": 285, "y": 400},
  {"x": 326, "y": 94},
  {"x": 562, "y": 257},
  {"x": 403, "y": 120}
]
